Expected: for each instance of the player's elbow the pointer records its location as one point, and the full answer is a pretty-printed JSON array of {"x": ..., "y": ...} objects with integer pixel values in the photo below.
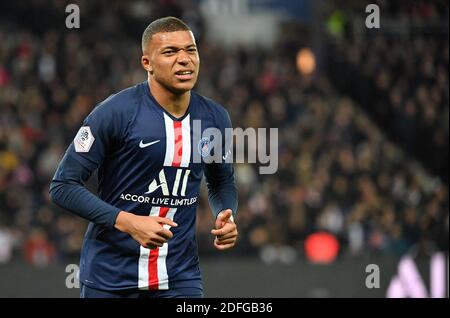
[{"x": 55, "y": 190}]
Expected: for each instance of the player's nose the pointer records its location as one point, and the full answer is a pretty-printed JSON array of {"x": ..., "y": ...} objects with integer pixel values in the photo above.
[{"x": 183, "y": 57}]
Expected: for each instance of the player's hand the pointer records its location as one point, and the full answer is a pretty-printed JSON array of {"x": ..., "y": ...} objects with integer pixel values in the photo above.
[
  {"x": 226, "y": 230},
  {"x": 149, "y": 231}
]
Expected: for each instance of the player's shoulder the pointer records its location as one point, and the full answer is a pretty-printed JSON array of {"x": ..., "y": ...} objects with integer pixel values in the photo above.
[
  {"x": 123, "y": 100},
  {"x": 119, "y": 108},
  {"x": 211, "y": 106}
]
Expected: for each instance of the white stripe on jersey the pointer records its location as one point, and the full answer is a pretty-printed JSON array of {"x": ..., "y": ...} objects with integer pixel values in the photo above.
[
  {"x": 170, "y": 140},
  {"x": 163, "y": 279},
  {"x": 144, "y": 258},
  {"x": 186, "y": 133}
]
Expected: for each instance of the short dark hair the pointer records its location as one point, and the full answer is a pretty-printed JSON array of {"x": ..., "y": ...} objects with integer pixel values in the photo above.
[{"x": 166, "y": 24}]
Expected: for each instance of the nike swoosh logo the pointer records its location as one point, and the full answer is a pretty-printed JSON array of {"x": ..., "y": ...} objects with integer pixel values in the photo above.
[{"x": 143, "y": 145}]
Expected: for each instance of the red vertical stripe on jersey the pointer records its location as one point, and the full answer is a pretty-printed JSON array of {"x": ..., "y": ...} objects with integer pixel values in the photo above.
[
  {"x": 153, "y": 259},
  {"x": 178, "y": 147}
]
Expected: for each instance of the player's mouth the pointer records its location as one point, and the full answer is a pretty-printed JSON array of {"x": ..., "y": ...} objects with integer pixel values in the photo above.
[{"x": 184, "y": 75}]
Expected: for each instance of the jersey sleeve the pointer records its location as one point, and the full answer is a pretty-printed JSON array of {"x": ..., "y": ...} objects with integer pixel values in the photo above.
[
  {"x": 67, "y": 190},
  {"x": 99, "y": 134},
  {"x": 220, "y": 181}
]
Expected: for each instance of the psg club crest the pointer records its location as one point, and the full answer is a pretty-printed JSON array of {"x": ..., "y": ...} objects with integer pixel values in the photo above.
[{"x": 204, "y": 147}]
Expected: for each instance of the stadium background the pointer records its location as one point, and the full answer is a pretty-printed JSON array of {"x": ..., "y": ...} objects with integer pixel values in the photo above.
[{"x": 363, "y": 137}]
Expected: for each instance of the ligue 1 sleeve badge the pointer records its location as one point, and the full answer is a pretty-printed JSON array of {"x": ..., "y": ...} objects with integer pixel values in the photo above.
[
  {"x": 204, "y": 147},
  {"x": 83, "y": 140}
]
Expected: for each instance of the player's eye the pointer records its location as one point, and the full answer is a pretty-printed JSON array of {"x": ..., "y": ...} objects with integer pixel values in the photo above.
[{"x": 170, "y": 52}]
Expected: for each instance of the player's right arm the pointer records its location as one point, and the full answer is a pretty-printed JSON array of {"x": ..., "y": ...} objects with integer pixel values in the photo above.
[
  {"x": 101, "y": 130},
  {"x": 67, "y": 190}
]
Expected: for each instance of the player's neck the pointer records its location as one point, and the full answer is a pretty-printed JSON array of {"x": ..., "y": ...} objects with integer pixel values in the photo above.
[{"x": 175, "y": 104}]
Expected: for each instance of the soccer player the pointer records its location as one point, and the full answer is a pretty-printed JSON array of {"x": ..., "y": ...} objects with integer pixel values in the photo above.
[{"x": 140, "y": 241}]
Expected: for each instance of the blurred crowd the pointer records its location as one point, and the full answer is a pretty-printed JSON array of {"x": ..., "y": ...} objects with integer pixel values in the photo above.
[
  {"x": 400, "y": 77},
  {"x": 337, "y": 173}
]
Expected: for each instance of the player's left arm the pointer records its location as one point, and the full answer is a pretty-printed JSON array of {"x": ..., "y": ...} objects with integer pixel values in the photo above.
[{"x": 222, "y": 194}]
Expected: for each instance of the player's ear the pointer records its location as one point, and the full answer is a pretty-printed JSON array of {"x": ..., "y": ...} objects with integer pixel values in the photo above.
[{"x": 145, "y": 61}]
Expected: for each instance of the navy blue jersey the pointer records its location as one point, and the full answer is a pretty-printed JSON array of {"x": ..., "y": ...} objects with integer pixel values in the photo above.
[{"x": 144, "y": 158}]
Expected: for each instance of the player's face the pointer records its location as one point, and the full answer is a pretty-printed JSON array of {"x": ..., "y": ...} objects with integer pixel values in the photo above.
[{"x": 173, "y": 60}]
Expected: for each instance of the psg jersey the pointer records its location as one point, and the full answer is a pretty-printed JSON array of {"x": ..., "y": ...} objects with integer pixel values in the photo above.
[{"x": 145, "y": 162}]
